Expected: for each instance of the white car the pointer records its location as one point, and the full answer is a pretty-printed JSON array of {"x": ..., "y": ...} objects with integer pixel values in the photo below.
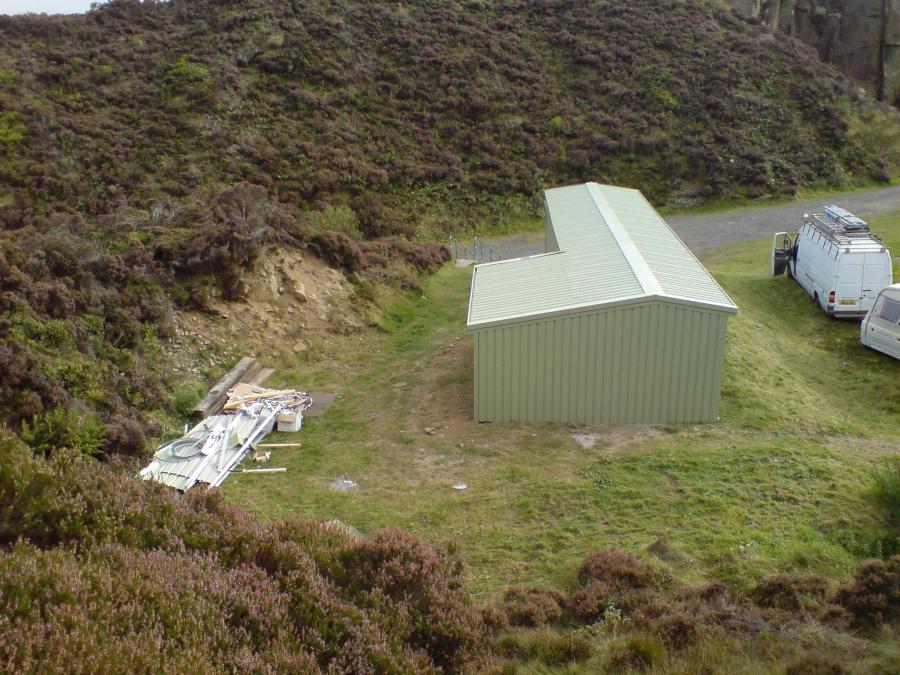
[
  {"x": 837, "y": 260},
  {"x": 881, "y": 328}
]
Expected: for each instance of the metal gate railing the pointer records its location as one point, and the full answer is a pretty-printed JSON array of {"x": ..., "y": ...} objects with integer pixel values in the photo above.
[{"x": 480, "y": 250}]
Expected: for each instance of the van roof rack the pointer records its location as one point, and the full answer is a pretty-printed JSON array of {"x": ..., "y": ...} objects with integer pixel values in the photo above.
[{"x": 840, "y": 225}]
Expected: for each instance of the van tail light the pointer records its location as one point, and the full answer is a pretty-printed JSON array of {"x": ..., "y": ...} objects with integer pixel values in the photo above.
[{"x": 831, "y": 298}]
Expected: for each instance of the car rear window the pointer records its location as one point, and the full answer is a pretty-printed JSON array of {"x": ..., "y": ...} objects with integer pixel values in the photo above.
[{"x": 890, "y": 310}]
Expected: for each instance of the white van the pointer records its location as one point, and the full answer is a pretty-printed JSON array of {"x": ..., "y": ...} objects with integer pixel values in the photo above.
[
  {"x": 881, "y": 328},
  {"x": 837, "y": 260}
]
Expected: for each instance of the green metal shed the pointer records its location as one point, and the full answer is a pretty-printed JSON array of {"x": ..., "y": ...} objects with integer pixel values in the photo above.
[{"x": 617, "y": 323}]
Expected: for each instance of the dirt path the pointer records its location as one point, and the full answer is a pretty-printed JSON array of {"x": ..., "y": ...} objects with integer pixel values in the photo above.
[{"x": 704, "y": 233}]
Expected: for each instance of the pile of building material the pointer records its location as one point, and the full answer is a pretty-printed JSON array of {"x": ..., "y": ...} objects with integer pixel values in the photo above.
[
  {"x": 247, "y": 371},
  {"x": 291, "y": 403},
  {"x": 210, "y": 451}
]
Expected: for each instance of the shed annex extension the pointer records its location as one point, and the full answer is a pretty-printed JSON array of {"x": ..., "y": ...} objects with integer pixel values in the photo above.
[{"x": 617, "y": 323}]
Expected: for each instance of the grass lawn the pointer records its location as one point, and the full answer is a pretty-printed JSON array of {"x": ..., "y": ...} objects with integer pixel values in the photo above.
[{"x": 780, "y": 484}]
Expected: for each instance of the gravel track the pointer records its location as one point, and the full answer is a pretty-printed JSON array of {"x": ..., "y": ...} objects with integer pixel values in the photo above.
[{"x": 703, "y": 233}]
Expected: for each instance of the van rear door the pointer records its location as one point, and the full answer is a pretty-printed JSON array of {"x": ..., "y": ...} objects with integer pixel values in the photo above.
[
  {"x": 848, "y": 287},
  {"x": 876, "y": 275}
]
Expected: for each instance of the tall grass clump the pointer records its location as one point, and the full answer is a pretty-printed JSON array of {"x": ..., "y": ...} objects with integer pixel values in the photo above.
[{"x": 887, "y": 491}]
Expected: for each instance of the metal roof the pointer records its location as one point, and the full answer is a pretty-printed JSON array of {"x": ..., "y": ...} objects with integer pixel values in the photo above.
[
  {"x": 613, "y": 248},
  {"x": 203, "y": 452}
]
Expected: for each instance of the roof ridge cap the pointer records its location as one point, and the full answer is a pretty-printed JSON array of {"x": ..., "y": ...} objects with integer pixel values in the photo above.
[{"x": 639, "y": 267}]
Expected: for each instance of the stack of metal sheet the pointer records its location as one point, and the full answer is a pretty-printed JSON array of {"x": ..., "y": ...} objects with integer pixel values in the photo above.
[{"x": 210, "y": 451}]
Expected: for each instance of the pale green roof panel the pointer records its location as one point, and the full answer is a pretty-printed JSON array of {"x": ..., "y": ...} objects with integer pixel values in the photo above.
[
  {"x": 676, "y": 269},
  {"x": 613, "y": 248},
  {"x": 525, "y": 285}
]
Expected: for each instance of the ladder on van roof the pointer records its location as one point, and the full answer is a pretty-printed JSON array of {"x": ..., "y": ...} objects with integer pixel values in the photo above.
[
  {"x": 846, "y": 220},
  {"x": 839, "y": 225}
]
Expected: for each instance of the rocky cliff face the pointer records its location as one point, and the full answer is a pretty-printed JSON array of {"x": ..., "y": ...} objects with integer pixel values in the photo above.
[{"x": 860, "y": 37}]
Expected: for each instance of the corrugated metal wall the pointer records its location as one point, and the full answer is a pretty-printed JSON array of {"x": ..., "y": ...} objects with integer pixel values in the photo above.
[{"x": 651, "y": 363}]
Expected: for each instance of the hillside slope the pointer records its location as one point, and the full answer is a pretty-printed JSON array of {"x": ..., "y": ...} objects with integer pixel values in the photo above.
[
  {"x": 149, "y": 152},
  {"x": 135, "y": 102}
]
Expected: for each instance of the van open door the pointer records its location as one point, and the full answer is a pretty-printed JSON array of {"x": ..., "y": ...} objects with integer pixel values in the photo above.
[{"x": 782, "y": 250}]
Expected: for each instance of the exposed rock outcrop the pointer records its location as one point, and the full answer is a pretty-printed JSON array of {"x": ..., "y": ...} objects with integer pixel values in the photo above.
[{"x": 860, "y": 37}]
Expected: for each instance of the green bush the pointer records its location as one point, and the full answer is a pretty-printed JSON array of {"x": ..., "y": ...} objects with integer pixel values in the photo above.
[
  {"x": 338, "y": 218},
  {"x": 186, "y": 71},
  {"x": 64, "y": 428},
  {"x": 12, "y": 130},
  {"x": 185, "y": 398}
]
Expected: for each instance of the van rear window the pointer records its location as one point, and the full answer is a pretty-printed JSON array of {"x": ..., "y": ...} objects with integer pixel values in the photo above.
[{"x": 890, "y": 310}]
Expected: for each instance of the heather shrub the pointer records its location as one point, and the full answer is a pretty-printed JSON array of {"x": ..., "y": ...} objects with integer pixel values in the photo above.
[
  {"x": 714, "y": 605},
  {"x": 683, "y": 617},
  {"x": 532, "y": 606},
  {"x": 611, "y": 577},
  {"x": 715, "y": 593},
  {"x": 25, "y": 390},
  {"x": 423, "y": 258},
  {"x": 336, "y": 249},
  {"x": 376, "y": 220},
  {"x": 422, "y": 580},
  {"x": 436, "y": 124},
  {"x": 494, "y": 618},
  {"x": 124, "y": 436},
  {"x": 873, "y": 598},
  {"x": 588, "y": 603},
  {"x": 106, "y": 561},
  {"x": 679, "y": 628},
  {"x": 618, "y": 569},
  {"x": 790, "y": 592}
]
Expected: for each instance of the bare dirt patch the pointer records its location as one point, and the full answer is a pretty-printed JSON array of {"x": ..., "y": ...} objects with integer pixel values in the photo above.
[
  {"x": 294, "y": 302},
  {"x": 442, "y": 395},
  {"x": 615, "y": 438}
]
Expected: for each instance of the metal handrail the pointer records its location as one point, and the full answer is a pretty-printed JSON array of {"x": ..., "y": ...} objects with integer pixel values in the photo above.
[{"x": 480, "y": 250}]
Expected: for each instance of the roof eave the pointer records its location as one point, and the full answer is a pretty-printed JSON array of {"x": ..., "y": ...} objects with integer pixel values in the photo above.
[{"x": 574, "y": 310}]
